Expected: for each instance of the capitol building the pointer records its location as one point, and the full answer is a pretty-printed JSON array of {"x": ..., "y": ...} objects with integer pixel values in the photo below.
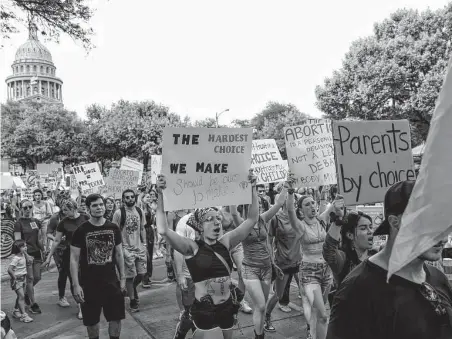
[{"x": 33, "y": 76}]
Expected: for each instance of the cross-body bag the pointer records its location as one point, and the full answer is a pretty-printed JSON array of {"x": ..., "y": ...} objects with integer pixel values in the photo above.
[{"x": 236, "y": 294}]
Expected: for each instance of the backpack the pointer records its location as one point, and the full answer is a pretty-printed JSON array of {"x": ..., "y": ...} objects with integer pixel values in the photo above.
[{"x": 123, "y": 216}]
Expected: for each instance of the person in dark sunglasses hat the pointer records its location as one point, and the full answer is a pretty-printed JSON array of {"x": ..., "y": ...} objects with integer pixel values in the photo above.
[{"x": 416, "y": 303}]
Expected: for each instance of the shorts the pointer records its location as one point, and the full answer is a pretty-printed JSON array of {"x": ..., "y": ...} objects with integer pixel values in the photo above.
[
  {"x": 206, "y": 316},
  {"x": 316, "y": 273},
  {"x": 291, "y": 270},
  {"x": 19, "y": 282},
  {"x": 188, "y": 296},
  {"x": 135, "y": 262},
  {"x": 106, "y": 296},
  {"x": 58, "y": 256},
  {"x": 256, "y": 273}
]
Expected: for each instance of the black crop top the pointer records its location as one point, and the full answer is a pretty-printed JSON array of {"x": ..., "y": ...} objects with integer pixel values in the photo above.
[{"x": 205, "y": 264}]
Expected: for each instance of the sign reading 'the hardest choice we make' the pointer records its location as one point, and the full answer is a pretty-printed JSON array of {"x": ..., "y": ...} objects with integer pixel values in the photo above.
[
  {"x": 371, "y": 156},
  {"x": 206, "y": 167}
]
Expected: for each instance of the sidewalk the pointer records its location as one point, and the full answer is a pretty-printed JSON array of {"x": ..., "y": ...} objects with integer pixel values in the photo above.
[{"x": 157, "y": 318}]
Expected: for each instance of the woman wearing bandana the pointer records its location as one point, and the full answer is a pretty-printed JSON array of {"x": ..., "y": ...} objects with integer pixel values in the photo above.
[{"x": 213, "y": 311}]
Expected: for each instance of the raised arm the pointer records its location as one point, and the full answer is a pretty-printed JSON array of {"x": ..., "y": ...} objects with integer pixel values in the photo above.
[
  {"x": 267, "y": 216},
  {"x": 236, "y": 216},
  {"x": 234, "y": 237},
  {"x": 293, "y": 219},
  {"x": 183, "y": 245}
]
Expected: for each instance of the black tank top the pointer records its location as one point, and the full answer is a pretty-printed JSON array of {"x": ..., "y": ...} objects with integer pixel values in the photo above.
[{"x": 205, "y": 264}]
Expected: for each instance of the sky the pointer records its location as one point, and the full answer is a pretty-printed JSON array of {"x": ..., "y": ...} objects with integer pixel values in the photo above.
[{"x": 200, "y": 57}]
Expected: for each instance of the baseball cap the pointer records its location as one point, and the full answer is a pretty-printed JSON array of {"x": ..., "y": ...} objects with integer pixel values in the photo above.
[{"x": 396, "y": 200}]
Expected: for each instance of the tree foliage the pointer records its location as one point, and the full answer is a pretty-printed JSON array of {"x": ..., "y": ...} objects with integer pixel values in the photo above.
[
  {"x": 52, "y": 17},
  {"x": 394, "y": 74},
  {"x": 270, "y": 123},
  {"x": 34, "y": 133}
]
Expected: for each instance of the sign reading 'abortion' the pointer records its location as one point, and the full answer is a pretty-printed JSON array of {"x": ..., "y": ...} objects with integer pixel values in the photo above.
[
  {"x": 206, "y": 167},
  {"x": 310, "y": 153},
  {"x": 267, "y": 163},
  {"x": 371, "y": 156}
]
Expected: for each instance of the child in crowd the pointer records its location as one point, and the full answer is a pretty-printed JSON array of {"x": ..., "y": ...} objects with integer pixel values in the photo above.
[{"x": 18, "y": 272}]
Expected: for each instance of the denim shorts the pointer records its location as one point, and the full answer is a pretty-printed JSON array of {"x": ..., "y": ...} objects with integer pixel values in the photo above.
[
  {"x": 256, "y": 273},
  {"x": 316, "y": 273},
  {"x": 18, "y": 283}
]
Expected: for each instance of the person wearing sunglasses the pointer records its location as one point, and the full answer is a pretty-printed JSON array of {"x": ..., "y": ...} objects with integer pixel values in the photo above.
[
  {"x": 416, "y": 303},
  {"x": 356, "y": 234},
  {"x": 31, "y": 230},
  {"x": 208, "y": 260}
]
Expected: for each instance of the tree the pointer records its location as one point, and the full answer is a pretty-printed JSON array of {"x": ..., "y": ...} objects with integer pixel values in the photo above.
[
  {"x": 207, "y": 123},
  {"x": 270, "y": 123},
  {"x": 132, "y": 129},
  {"x": 241, "y": 123},
  {"x": 33, "y": 133},
  {"x": 51, "y": 17},
  {"x": 395, "y": 74}
]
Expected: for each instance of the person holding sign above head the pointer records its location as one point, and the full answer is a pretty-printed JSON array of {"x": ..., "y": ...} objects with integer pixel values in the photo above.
[
  {"x": 208, "y": 261},
  {"x": 315, "y": 272}
]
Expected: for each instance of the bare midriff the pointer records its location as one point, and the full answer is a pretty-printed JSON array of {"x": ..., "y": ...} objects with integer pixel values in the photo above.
[{"x": 217, "y": 288}]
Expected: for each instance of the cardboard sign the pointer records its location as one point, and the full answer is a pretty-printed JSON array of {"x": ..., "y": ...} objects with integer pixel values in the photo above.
[
  {"x": 310, "y": 153},
  {"x": 206, "y": 167},
  {"x": 31, "y": 178},
  {"x": 267, "y": 163},
  {"x": 88, "y": 177},
  {"x": 156, "y": 167},
  {"x": 120, "y": 180},
  {"x": 49, "y": 168},
  {"x": 133, "y": 165},
  {"x": 371, "y": 156}
]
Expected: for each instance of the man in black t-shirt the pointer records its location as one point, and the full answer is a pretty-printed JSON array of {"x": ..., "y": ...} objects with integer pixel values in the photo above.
[
  {"x": 96, "y": 246},
  {"x": 416, "y": 303}
]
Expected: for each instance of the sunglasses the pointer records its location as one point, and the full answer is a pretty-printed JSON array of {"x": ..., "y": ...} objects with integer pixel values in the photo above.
[
  {"x": 433, "y": 297},
  {"x": 129, "y": 197},
  {"x": 27, "y": 208}
]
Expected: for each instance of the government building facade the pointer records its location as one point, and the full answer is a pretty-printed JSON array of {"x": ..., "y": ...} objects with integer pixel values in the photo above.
[{"x": 34, "y": 73}]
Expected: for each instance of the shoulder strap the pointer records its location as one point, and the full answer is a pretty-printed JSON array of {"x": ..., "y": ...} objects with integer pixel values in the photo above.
[
  {"x": 123, "y": 217},
  {"x": 140, "y": 212},
  {"x": 219, "y": 256}
]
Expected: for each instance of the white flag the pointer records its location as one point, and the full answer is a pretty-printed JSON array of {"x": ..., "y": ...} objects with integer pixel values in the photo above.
[{"x": 428, "y": 216}]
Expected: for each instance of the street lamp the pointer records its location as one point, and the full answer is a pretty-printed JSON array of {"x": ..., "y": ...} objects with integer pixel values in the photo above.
[{"x": 217, "y": 115}]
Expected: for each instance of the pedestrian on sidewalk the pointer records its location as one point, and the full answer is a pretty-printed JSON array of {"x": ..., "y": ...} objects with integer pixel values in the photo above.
[
  {"x": 97, "y": 247},
  {"x": 18, "y": 272}
]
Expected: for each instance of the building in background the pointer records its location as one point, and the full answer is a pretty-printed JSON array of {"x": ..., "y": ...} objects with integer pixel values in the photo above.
[{"x": 34, "y": 72}]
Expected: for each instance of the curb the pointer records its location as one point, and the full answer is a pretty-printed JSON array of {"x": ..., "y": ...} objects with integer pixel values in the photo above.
[{"x": 6, "y": 277}]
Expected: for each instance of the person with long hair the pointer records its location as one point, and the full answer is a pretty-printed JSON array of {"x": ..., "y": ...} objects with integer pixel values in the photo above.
[
  {"x": 214, "y": 310},
  {"x": 356, "y": 233},
  {"x": 110, "y": 208},
  {"x": 315, "y": 272},
  {"x": 258, "y": 262}
]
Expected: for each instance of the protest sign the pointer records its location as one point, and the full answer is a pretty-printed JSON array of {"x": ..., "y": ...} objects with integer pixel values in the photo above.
[
  {"x": 88, "y": 177},
  {"x": 206, "y": 167},
  {"x": 31, "y": 178},
  {"x": 267, "y": 163},
  {"x": 156, "y": 167},
  {"x": 48, "y": 168},
  {"x": 133, "y": 165},
  {"x": 310, "y": 153},
  {"x": 120, "y": 180},
  {"x": 370, "y": 157}
]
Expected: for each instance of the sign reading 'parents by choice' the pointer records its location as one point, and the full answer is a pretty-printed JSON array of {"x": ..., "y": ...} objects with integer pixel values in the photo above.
[
  {"x": 206, "y": 167},
  {"x": 371, "y": 156},
  {"x": 267, "y": 163},
  {"x": 310, "y": 153}
]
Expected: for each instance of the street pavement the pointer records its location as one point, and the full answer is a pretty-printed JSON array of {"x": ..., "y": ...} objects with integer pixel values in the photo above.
[{"x": 157, "y": 318}]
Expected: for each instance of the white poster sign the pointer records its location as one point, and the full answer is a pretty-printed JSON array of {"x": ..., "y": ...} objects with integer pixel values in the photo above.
[
  {"x": 267, "y": 163},
  {"x": 88, "y": 177},
  {"x": 133, "y": 165},
  {"x": 156, "y": 167},
  {"x": 206, "y": 167},
  {"x": 371, "y": 156},
  {"x": 310, "y": 153},
  {"x": 118, "y": 181}
]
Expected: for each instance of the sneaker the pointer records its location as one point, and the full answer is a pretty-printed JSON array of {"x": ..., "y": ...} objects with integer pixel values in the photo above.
[
  {"x": 268, "y": 327},
  {"x": 134, "y": 306},
  {"x": 285, "y": 309},
  {"x": 35, "y": 309},
  {"x": 299, "y": 296},
  {"x": 17, "y": 314},
  {"x": 25, "y": 318},
  {"x": 27, "y": 300},
  {"x": 245, "y": 308},
  {"x": 146, "y": 283},
  {"x": 63, "y": 302},
  {"x": 308, "y": 332}
]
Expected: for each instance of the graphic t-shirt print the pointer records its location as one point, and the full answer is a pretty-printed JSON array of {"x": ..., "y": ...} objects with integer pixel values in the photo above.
[
  {"x": 99, "y": 247},
  {"x": 132, "y": 223}
]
